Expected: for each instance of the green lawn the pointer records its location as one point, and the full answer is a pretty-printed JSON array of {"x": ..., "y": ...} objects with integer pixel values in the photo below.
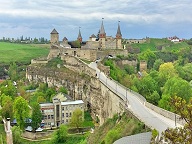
[{"x": 10, "y": 52}]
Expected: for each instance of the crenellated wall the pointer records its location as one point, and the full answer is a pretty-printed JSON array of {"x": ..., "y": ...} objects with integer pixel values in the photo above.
[{"x": 103, "y": 102}]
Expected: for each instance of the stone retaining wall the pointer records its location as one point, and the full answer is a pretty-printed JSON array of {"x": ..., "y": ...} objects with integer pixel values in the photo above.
[{"x": 165, "y": 113}]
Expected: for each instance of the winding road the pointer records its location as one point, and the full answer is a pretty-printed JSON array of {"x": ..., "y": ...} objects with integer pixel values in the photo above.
[{"x": 135, "y": 105}]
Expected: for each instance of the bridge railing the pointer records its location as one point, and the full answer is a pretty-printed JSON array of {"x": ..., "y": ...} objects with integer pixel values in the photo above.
[{"x": 140, "y": 97}]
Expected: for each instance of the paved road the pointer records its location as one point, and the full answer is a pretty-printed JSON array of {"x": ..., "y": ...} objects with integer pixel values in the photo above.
[{"x": 135, "y": 105}]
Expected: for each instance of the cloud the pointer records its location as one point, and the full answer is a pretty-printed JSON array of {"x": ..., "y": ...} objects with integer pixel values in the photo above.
[{"x": 70, "y": 14}]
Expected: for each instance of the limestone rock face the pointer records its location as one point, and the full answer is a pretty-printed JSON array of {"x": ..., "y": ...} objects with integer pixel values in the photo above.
[{"x": 102, "y": 102}]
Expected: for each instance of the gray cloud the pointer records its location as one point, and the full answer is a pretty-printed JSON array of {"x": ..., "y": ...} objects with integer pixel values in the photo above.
[{"x": 36, "y": 15}]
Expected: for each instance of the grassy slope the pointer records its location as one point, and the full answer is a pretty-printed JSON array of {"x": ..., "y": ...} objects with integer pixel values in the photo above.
[
  {"x": 153, "y": 43},
  {"x": 10, "y": 52},
  {"x": 2, "y": 134},
  {"x": 113, "y": 129}
]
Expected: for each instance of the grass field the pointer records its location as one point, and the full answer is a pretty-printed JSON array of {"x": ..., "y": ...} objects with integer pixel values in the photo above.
[
  {"x": 11, "y": 52},
  {"x": 154, "y": 42}
]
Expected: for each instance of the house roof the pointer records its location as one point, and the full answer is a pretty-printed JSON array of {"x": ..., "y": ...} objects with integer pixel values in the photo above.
[
  {"x": 93, "y": 36},
  {"x": 46, "y": 104},
  {"x": 54, "y": 31},
  {"x": 72, "y": 102},
  {"x": 65, "y": 39}
]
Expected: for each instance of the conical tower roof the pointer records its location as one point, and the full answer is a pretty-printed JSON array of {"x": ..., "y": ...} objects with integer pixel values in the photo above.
[
  {"x": 79, "y": 35},
  {"x": 118, "y": 32},
  {"x": 54, "y": 31},
  {"x": 102, "y": 30}
]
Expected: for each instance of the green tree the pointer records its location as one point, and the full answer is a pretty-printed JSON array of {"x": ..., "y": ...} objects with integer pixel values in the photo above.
[
  {"x": 77, "y": 118},
  {"x": 63, "y": 90},
  {"x": 21, "y": 111},
  {"x": 149, "y": 56},
  {"x": 175, "y": 86},
  {"x": 166, "y": 71},
  {"x": 36, "y": 116},
  {"x": 60, "y": 135},
  {"x": 181, "y": 135},
  {"x": 16, "y": 131},
  {"x": 7, "y": 108},
  {"x": 76, "y": 44},
  {"x": 157, "y": 64},
  {"x": 8, "y": 89},
  {"x": 147, "y": 87},
  {"x": 13, "y": 72}
]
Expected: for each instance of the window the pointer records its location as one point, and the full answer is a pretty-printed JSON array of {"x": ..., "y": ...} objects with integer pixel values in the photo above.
[
  {"x": 66, "y": 108},
  {"x": 63, "y": 115},
  {"x": 62, "y": 121},
  {"x": 57, "y": 111},
  {"x": 66, "y": 114},
  {"x": 45, "y": 117},
  {"x": 52, "y": 117},
  {"x": 70, "y": 114},
  {"x": 48, "y": 116},
  {"x": 66, "y": 120},
  {"x": 63, "y": 108}
]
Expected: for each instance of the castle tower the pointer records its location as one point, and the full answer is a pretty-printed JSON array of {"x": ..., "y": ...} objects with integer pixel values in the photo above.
[
  {"x": 54, "y": 37},
  {"x": 118, "y": 38},
  {"x": 102, "y": 36},
  {"x": 79, "y": 38}
]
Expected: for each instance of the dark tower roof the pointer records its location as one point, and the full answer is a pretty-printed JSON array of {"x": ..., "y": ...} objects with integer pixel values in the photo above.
[
  {"x": 79, "y": 35},
  {"x": 93, "y": 36},
  {"x": 54, "y": 32},
  {"x": 102, "y": 30},
  {"x": 118, "y": 35}
]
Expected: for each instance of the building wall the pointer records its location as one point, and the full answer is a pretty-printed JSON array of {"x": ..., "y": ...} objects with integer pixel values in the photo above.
[
  {"x": 102, "y": 43},
  {"x": 118, "y": 44},
  {"x": 54, "y": 38}
]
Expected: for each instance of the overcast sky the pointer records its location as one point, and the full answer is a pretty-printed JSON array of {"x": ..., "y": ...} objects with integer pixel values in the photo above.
[{"x": 138, "y": 18}]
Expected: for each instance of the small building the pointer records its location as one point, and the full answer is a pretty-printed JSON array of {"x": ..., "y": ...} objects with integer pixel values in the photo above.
[{"x": 59, "y": 111}]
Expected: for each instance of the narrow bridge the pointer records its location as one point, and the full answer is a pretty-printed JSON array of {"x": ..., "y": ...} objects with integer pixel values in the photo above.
[{"x": 136, "y": 104}]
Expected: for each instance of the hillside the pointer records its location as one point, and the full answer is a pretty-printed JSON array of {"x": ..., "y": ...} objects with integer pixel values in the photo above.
[
  {"x": 22, "y": 53},
  {"x": 115, "y": 128},
  {"x": 154, "y": 44}
]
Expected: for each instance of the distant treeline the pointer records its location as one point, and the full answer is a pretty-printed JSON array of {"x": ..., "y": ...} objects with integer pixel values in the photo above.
[{"x": 35, "y": 40}]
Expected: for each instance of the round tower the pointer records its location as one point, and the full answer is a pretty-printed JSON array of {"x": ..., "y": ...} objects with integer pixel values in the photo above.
[{"x": 54, "y": 37}]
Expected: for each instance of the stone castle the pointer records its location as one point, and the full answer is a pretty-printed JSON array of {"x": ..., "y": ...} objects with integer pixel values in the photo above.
[{"x": 95, "y": 47}]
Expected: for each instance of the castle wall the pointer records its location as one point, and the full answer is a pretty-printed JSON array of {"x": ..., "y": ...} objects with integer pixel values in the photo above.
[
  {"x": 129, "y": 41},
  {"x": 91, "y": 45},
  {"x": 78, "y": 66},
  {"x": 110, "y": 44}
]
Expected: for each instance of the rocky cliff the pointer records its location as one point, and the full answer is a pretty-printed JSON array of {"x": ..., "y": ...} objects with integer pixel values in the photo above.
[{"x": 102, "y": 102}]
